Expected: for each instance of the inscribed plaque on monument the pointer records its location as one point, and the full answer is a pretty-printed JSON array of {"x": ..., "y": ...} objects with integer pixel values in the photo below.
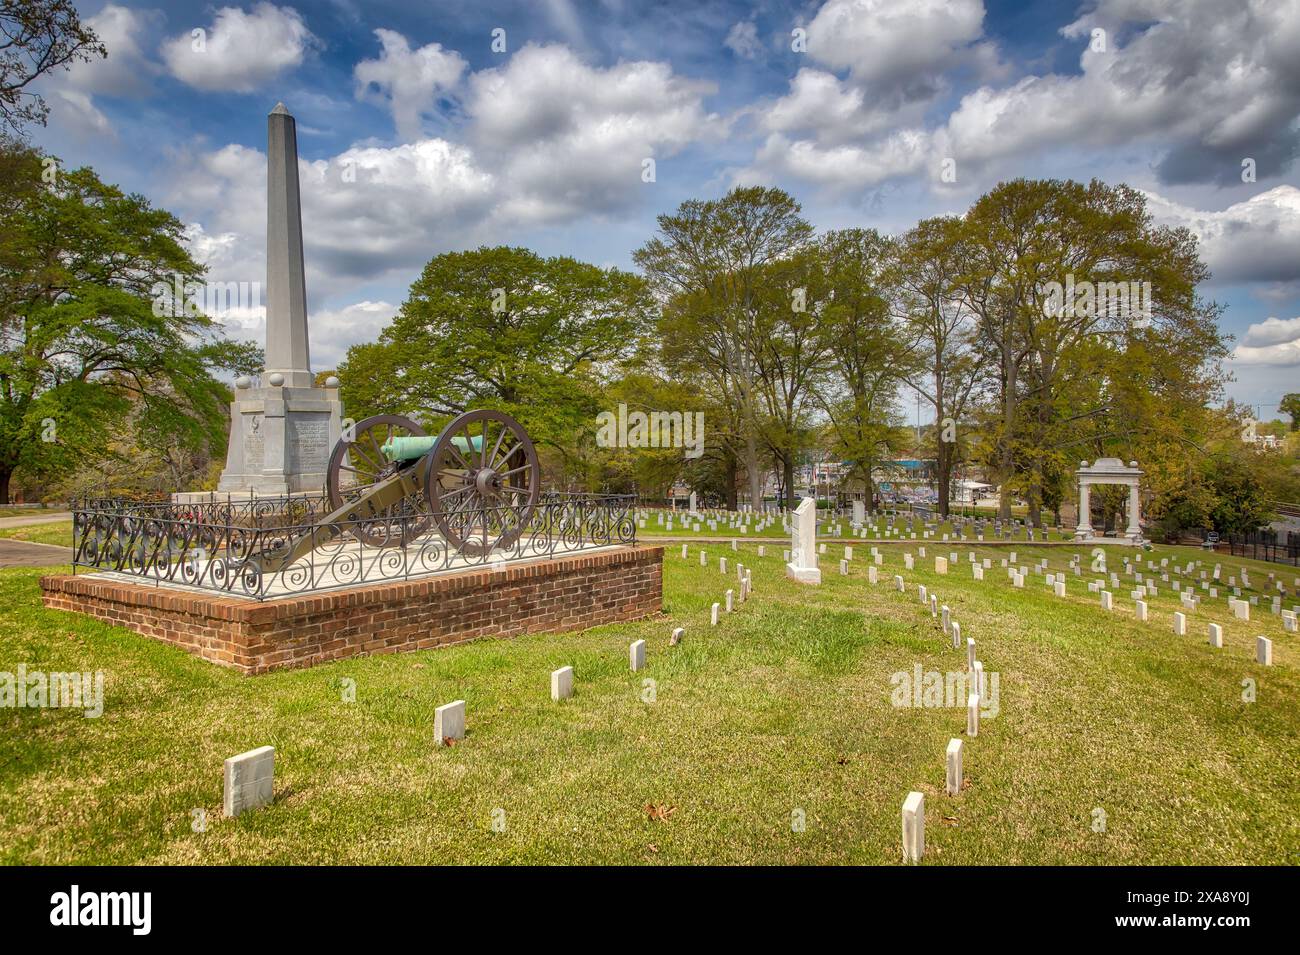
[
  {"x": 254, "y": 443},
  {"x": 309, "y": 441}
]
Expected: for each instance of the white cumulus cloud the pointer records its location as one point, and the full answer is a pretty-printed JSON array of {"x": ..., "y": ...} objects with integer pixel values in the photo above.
[
  {"x": 1256, "y": 240},
  {"x": 885, "y": 42},
  {"x": 1274, "y": 341},
  {"x": 568, "y": 139},
  {"x": 409, "y": 81},
  {"x": 240, "y": 50}
]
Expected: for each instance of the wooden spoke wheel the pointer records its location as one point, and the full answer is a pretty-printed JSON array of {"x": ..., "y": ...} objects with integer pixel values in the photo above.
[
  {"x": 357, "y": 464},
  {"x": 482, "y": 481}
]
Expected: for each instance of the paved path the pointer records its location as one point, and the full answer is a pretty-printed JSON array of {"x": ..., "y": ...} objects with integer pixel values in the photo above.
[
  {"x": 27, "y": 554},
  {"x": 51, "y": 518}
]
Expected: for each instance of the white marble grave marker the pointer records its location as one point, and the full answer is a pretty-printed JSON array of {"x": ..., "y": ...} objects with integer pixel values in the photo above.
[
  {"x": 562, "y": 683},
  {"x": 449, "y": 722},
  {"x": 249, "y": 780},
  {"x": 914, "y": 827},
  {"x": 953, "y": 782}
]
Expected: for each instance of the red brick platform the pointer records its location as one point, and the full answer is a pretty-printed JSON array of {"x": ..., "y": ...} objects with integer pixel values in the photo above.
[{"x": 568, "y": 593}]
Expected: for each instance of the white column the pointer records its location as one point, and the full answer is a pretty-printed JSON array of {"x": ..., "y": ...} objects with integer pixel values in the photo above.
[
  {"x": 1084, "y": 527},
  {"x": 1134, "y": 512}
]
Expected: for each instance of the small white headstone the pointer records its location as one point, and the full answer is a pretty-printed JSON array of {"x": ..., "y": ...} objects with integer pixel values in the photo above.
[
  {"x": 249, "y": 780},
  {"x": 1216, "y": 635},
  {"x": 562, "y": 683},
  {"x": 953, "y": 782},
  {"x": 1264, "y": 651},
  {"x": 636, "y": 655},
  {"x": 914, "y": 827},
  {"x": 449, "y": 723}
]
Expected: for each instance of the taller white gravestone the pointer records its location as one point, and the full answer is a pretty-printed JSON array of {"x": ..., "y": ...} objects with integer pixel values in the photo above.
[
  {"x": 282, "y": 430},
  {"x": 803, "y": 544}
]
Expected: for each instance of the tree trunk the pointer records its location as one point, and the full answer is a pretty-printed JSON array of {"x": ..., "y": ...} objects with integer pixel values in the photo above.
[
  {"x": 787, "y": 475},
  {"x": 729, "y": 472},
  {"x": 1007, "y": 460},
  {"x": 943, "y": 462},
  {"x": 4, "y": 485},
  {"x": 751, "y": 467}
]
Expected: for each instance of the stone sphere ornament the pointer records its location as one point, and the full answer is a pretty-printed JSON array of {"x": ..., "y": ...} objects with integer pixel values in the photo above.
[
  {"x": 276, "y": 379},
  {"x": 243, "y": 382},
  {"x": 331, "y": 382}
]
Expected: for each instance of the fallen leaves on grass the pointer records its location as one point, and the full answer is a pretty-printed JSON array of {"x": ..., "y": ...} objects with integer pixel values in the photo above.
[{"x": 659, "y": 812}]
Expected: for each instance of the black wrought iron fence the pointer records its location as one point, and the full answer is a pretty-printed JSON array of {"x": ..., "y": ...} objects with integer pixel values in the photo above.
[
  {"x": 243, "y": 547},
  {"x": 1263, "y": 545}
]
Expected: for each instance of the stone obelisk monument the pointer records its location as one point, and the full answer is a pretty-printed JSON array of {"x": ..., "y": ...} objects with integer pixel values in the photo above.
[{"x": 283, "y": 427}]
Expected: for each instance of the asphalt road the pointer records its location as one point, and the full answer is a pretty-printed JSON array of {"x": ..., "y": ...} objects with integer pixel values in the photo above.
[
  {"x": 27, "y": 554},
  {"x": 52, "y": 518}
]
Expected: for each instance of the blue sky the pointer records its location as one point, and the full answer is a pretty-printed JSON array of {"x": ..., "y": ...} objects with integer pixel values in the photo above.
[{"x": 418, "y": 137}]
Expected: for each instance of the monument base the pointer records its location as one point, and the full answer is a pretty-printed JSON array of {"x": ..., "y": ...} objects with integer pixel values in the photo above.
[
  {"x": 542, "y": 596},
  {"x": 280, "y": 440},
  {"x": 805, "y": 575}
]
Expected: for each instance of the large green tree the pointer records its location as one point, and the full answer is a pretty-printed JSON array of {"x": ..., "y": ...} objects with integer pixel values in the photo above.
[
  {"x": 84, "y": 346},
  {"x": 943, "y": 330},
  {"x": 712, "y": 263},
  {"x": 868, "y": 351},
  {"x": 1070, "y": 377},
  {"x": 1290, "y": 405},
  {"x": 503, "y": 328}
]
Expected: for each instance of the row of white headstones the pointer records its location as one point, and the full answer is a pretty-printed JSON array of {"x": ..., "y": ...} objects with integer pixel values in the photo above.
[
  {"x": 913, "y": 813},
  {"x": 249, "y": 778},
  {"x": 868, "y": 529},
  {"x": 913, "y": 820}
]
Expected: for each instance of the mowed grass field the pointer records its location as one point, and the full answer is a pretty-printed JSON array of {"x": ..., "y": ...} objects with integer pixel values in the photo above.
[
  {"x": 784, "y": 707},
  {"x": 55, "y": 532}
]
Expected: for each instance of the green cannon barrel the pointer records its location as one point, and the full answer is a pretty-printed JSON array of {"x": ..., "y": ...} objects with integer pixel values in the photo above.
[{"x": 410, "y": 448}]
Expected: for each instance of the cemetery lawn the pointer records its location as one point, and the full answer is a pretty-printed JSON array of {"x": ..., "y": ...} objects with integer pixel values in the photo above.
[
  {"x": 55, "y": 532},
  {"x": 785, "y": 707}
]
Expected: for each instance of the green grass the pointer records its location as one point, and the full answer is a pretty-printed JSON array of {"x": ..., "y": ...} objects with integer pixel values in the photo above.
[
  {"x": 55, "y": 532},
  {"x": 786, "y": 705}
]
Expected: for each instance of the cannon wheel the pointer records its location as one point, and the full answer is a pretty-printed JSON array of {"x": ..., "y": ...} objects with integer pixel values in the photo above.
[
  {"x": 482, "y": 499},
  {"x": 358, "y": 464}
]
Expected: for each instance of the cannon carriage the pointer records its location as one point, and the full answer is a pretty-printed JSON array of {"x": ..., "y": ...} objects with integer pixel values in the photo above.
[{"x": 477, "y": 483}]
